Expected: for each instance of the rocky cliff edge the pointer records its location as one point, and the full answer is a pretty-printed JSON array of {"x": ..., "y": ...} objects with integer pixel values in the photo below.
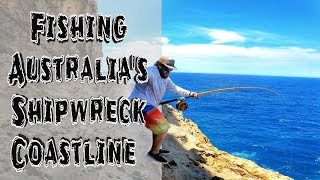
[{"x": 194, "y": 157}]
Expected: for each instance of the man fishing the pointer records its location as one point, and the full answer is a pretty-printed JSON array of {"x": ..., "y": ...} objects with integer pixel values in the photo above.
[{"x": 153, "y": 91}]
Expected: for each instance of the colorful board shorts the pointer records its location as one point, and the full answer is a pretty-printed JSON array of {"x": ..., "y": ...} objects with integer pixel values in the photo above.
[{"x": 155, "y": 121}]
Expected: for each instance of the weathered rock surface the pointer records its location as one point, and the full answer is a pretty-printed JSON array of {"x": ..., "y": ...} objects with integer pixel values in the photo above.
[{"x": 15, "y": 36}]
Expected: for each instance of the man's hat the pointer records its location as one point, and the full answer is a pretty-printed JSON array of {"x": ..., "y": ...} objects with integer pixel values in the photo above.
[{"x": 169, "y": 62}]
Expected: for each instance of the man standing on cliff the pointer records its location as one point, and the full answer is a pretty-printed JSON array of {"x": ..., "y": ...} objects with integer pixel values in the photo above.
[{"x": 153, "y": 91}]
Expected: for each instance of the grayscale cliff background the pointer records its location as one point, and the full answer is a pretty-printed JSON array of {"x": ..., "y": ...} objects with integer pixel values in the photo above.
[{"x": 15, "y": 36}]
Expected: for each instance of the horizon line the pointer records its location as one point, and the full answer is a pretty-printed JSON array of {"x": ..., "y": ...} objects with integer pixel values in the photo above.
[{"x": 313, "y": 77}]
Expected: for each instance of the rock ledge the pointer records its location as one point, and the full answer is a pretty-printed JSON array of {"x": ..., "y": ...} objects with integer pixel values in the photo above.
[{"x": 197, "y": 158}]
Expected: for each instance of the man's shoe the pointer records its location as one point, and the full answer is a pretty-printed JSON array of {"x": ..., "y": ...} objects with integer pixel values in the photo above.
[
  {"x": 162, "y": 151},
  {"x": 158, "y": 158}
]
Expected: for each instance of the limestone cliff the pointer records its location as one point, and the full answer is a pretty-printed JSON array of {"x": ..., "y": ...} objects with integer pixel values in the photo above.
[
  {"x": 15, "y": 37},
  {"x": 197, "y": 158}
]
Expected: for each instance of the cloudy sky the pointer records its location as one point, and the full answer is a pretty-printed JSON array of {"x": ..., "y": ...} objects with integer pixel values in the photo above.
[{"x": 279, "y": 38}]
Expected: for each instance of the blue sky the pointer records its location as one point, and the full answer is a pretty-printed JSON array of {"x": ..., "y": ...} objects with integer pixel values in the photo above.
[{"x": 280, "y": 38}]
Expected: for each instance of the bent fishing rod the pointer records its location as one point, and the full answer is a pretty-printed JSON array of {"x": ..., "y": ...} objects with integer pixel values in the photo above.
[{"x": 182, "y": 105}]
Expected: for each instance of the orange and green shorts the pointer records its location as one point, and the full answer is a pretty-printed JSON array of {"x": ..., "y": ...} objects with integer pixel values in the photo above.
[{"x": 154, "y": 119}]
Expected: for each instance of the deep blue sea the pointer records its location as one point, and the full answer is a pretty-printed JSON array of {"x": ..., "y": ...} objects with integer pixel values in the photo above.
[{"x": 280, "y": 133}]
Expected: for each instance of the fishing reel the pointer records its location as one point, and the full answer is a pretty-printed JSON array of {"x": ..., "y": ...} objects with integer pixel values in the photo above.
[{"x": 182, "y": 105}]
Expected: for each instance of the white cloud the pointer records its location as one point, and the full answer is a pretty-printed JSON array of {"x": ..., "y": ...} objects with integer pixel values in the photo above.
[
  {"x": 213, "y": 50},
  {"x": 164, "y": 40},
  {"x": 224, "y": 36},
  {"x": 220, "y": 58}
]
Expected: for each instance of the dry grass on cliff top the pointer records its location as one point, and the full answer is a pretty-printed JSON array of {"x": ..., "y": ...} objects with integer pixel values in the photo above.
[{"x": 197, "y": 158}]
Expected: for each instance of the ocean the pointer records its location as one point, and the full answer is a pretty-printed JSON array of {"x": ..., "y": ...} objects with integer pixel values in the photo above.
[{"x": 279, "y": 133}]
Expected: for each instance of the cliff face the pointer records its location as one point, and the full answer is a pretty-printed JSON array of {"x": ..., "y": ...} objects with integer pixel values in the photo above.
[{"x": 197, "y": 158}]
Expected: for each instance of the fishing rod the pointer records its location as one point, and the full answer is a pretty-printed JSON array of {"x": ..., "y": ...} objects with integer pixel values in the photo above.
[{"x": 182, "y": 105}]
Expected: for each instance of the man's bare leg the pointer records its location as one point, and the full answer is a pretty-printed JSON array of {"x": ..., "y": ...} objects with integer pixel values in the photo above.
[{"x": 157, "y": 142}]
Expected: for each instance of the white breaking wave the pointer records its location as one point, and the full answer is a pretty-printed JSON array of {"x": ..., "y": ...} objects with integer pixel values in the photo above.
[{"x": 245, "y": 154}]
